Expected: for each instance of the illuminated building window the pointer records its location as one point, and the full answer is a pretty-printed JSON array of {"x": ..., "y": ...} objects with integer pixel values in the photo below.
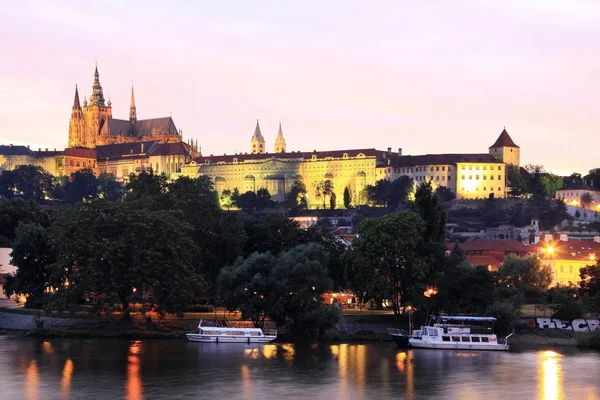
[
  {"x": 499, "y": 189},
  {"x": 485, "y": 167},
  {"x": 499, "y": 167},
  {"x": 462, "y": 177},
  {"x": 431, "y": 169},
  {"x": 562, "y": 269},
  {"x": 484, "y": 177},
  {"x": 492, "y": 189},
  {"x": 470, "y": 167},
  {"x": 477, "y": 177},
  {"x": 443, "y": 178},
  {"x": 491, "y": 177},
  {"x": 477, "y": 168},
  {"x": 570, "y": 269},
  {"x": 484, "y": 188},
  {"x": 437, "y": 168},
  {"x": 443, "y": 168},
  {"x": 499, "y": 177},
  {"x": 471, "y": 177},
  {"x": 463, "y": 167},
  {"x": 437, "y": 178}
]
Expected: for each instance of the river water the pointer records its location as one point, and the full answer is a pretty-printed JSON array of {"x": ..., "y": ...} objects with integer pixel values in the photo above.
[{"x": 173, "y": 369}]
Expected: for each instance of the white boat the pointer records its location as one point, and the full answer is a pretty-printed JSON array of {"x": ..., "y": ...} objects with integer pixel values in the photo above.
[
  {"x": 217, "y": 334},
  {"x": 454, "y": 333}
]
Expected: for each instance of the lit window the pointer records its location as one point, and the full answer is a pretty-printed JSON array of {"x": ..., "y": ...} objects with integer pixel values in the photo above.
[
  {"x": 471, "y": 177},
  {"x": 499, "y": 167},
  {"x": 477, "y": 177},
  {"x": 484, "y": 177},
  {"x": 462, "y": 177},
  {"x": 499, "y": 177}
]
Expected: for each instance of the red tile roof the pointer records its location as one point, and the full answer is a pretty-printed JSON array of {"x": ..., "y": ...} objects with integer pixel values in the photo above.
[
  {"x": 504, "y": 140},
  {"x": 291, "y": 155},
  {"x": 510, "y": 246},
  {"x": 441, "y": 159},
  {"x": 572, "y": 250},
  {"x": 167, "y": 149},
  {"x": 80, "y": 152},
  {"x": 488, "y": 261}
]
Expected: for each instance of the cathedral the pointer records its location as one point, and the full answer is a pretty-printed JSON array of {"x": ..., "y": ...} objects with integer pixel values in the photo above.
[{"x": 93, "y": 124}]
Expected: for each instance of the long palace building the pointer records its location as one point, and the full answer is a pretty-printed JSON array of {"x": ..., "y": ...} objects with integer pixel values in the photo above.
[{"x": 120, "y": 147}]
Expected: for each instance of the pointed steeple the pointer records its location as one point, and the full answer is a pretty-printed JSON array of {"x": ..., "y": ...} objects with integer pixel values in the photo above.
[
  {"x": 504, "y": 140},
  {"x": 97, "y": 97},
  {"x": 280, "y": 141},
  {"x": 132, "y": 109},
  {"x": 76, "y": 105},
  {"x": 257, "y": 144}
]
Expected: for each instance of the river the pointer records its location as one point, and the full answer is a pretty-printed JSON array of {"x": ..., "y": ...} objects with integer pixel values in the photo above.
[{"x": 175, "y": 369}]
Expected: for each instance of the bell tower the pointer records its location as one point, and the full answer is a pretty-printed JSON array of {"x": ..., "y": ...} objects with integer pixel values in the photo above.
[
  {"x": 257, "y": 144},
  {"x": 506, "y": 150},
  {"x": 280, "y": 142}
]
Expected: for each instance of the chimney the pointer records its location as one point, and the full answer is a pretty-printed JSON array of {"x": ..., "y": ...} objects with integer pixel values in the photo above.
[
  {"x": 548, "y": 237},
  {"x": 536, "y": 239},
  {"x": 142, "y": 148},
  {"x": 46, "y": 149},
  {"x": 389, "y": 149},
  {"x": 10, "y": 145},
  {"x": 399, "y": 151},
  {"x": 563, "y": 237},
  {"x": 596, "y": 239}
]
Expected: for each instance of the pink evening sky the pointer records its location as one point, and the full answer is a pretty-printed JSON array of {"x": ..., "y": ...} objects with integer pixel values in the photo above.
[{"x": 427, "y": 76}]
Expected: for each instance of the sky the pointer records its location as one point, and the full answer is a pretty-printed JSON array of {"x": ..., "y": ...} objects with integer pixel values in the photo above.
[{"x": 426, "y": 76}]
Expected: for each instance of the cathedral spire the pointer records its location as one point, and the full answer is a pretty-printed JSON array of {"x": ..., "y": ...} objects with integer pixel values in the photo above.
[
  {"x": 97, "y": 97},
  {"x": 132, "y": 109},
  {"x": 257, "y": 143},
  {"x": 280, "y": 141},
  {"x": 76, "y": 105}
]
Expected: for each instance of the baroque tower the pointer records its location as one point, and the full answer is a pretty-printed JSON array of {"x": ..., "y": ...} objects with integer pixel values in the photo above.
[
  {"x": 505, "y": 149},
  {"x": 257, "y": 144},
  {"x": 279, "y": 142}
]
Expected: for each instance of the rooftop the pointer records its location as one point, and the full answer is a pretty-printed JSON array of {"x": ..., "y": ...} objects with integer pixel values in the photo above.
[{"x": 504, "y": 140}]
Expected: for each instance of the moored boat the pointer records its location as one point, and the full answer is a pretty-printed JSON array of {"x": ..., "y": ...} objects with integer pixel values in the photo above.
[
  {"x": 217, "y": 334},
  {"x": 454, "y": 333}
]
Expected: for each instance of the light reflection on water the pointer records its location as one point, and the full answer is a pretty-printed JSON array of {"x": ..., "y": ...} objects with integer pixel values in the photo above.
[{"x": 175, "y": 369}]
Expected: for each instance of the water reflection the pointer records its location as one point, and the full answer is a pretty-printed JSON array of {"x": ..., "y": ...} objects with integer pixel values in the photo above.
[
  {"x": 404, "y": 364},
  {"x": 32, "y": 380},
  {"x": 65, "y": 384},
  {"x": 246, "y": 381},
  {"x": 133, "y": 387},
  {"x": 550, "y": 376}
]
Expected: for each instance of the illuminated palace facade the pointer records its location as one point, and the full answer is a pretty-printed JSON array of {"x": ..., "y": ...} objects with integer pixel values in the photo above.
[{"x": 469, "y": 176}]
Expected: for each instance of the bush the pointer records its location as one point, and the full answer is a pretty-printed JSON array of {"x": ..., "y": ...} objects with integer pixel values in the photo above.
[
  {"x": 591, "y": 340},
  {"x": 506, "y": 314},
  {"x": 200, "y": 308}
]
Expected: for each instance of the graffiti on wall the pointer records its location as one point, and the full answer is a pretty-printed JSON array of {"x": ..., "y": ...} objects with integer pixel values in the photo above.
[{"x": 578, "y": 325}]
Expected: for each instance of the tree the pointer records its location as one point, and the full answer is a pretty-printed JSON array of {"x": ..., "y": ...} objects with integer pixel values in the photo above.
[
  {"x": 550, "y": 184},
  {"x": 427, "y": 205},
  {"x": 263, "y": 199},
  {"x": 248, "y": 286},
  {"x": 148, "y": 190},
  {"x": 28, "y": 181},
  {"x": 107, "y": 251},
  {"x": 226, "y": 199},
  {"x": 347, "y": 198},
  {"x": 565, "y": 304},
  {"x": 334, "y": 246},
  {"x": 18, "y": 211},
  {"x": 246, "y": 201},
  {"x": 296, "y": 198},
  {"x": 33, "y": 256},
  {"x": 190, "y": 189},
  {"x": 389, "y": 194},
  {"x": 575, "y": 178},
  {"x": 109, "y": 189},
  {"x": 383, "y": 259},
  {"x": 589, "y": 287},
  {"x": 82, "y": 186},
  {"x": 524, "y": 276},
  {"x": 444, "y": 194},
  {"x": 332, "y": 200},
  {"x": 287, "y": 288},
  {"x": 322, "y": 190},
  {"x": 587, "y": 199},
  {"x": 273, "y": 233},
  {"x": 593, "y": 178},
  {"x": 452, "y": 298},
  {"x": 515, "y": 182}
]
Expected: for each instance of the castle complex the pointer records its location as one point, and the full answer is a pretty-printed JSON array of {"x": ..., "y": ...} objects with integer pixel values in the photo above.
[{"x": 105, "y": 144}]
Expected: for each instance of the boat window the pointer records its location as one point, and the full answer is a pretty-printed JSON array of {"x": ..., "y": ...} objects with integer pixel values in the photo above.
[
  {"x": 485, "y": 340},
  {"x": 254, "y": 333},
  {"x": 475, "y": 339},
  {"x": 456, "y": 338},
  {"x": 433, "y": 332},
  {"x": 425, "y": 331},
  {"x": 466, "y": 339},
  {"x": 445, "y": 338},
  {"x": 212, "y": 332}
]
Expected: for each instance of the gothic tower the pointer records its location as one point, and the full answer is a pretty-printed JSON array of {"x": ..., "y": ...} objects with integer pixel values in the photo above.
[
  {"x": 132, "y": 112},
  {"x": 279, "y": 142},
  {"x": 257, "y": 144},
  {"x": 77, "y": 123},
  {"x": 505, "y": 149},
  {"x": 96, "y": 114}
]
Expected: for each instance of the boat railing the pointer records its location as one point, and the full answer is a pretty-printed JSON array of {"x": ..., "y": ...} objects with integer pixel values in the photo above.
[
  {"x": 394, "y": 331},
  {"x": 506, "y": 338},
  {"x": 270, "y": 332}
]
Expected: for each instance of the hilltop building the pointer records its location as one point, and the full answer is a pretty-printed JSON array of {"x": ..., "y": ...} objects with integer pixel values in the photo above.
[
  {"x": 469, "y": 176},
  {"x": 93, "y": 124}
]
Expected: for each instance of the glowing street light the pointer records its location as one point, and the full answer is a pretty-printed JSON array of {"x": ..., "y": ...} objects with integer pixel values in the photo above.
[{"x": 430, "y": 291}]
